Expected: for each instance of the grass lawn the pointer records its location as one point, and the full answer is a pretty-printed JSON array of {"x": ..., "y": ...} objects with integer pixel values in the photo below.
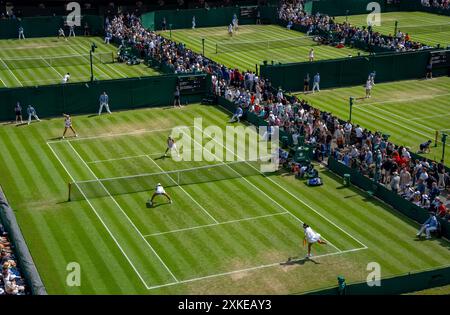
[
  {"x": 424, "y": 27},
  {"x": 445, "y": 290},
  {"x": 229, "y": 236},
  {"x": 409, "y": 111},
  {"x": 17, "y": 71},
  {"x": 247, "y": 59}
]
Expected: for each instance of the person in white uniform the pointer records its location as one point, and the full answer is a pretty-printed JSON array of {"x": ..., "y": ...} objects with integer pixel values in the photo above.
[
  {"x": 159, "y": 190},
  {"x": 68, "y": 125},
  {"x": 311, "y": 237},
  {"x": 171, "y": 145}
]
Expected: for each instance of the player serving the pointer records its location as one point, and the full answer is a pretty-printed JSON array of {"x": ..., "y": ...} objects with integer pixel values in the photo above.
[
  {"x": 159, "y": 190},
  {"x": 171, "y": 145},
  {"x": 311, "y": 237},
  {"x": 68, "y": 125}
]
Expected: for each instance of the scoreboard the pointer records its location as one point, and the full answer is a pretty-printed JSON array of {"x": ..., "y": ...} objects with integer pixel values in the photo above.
[
  {"x": 440, "y": 59},
  {"x": 192, "y": 84}
]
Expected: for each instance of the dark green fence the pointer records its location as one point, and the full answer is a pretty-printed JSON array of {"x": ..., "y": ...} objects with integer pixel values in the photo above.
[
  {"x": 178, "y": 19},
  {"x": 396, "y": 285},
  {"x": 43, "y": 26},
  {"x": 409, "y": 209},
  {"x": 352, "y": 70},
  {"x": 78, "y": 98}
]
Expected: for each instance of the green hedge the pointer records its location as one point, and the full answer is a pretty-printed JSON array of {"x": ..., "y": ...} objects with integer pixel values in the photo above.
[
  {"x": 47, "y": 26},
  {"x": 80, "y": 98}
]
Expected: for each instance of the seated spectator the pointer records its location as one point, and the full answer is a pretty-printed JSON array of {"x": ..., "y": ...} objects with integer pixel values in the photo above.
[{"x": 430, "y": 225}]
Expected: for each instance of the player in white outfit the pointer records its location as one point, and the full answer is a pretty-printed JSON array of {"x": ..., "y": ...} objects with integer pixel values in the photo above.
[
  {"x": 311, "y": 237},
  {"x": 171, "y": 145},
  {"x": 66, "y": 78},
  {"x": 159, "y": 190},
  {"x": 68, "y": 125}
]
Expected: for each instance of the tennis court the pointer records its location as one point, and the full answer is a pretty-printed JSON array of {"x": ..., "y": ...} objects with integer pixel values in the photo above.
[
  {"x": 41, "y": 61},
  {"x": 409, "y": 111},
  {"x": 253, "y": 44},
  {"x": 154, "y": 240},
  {"x": 427, "y": 28}
]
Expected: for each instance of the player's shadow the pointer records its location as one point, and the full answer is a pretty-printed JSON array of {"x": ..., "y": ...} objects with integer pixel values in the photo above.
[
  {"x": 298, "y": 261},
  {"x": 162, "y": 157}
]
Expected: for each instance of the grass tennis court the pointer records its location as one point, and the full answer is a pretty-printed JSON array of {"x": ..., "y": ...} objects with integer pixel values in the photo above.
[
  {"x": 254, "y": 43},
  {"x": 424, "y": 27},
  {"x": 51, "y": 59},
  {"x": 409, "y": 111},
  {"x": 231, "y": 235}
]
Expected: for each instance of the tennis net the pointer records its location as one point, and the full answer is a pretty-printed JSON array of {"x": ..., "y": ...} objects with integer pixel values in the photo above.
[
  {"x": 224, "y": 47},
  {"x": 80, "y": 190},
  {"x": 425, "y": 29},
  {"x": 54, "y": 61}
]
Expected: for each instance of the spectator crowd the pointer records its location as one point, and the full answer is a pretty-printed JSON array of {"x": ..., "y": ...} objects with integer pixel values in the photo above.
[
  {"x": 11, "y": 283},
  {"x": 292, "y": 11},
  {"x": 441, "y": 4}
]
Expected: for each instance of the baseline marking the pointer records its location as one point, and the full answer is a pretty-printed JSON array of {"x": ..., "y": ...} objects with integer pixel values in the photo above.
[
  {"x": 117, "y": 204},
  {"x": 101, "y": 220},
  {"x": 252, "y": 268}
]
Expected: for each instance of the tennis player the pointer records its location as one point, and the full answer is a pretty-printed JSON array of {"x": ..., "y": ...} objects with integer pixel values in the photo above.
[
  {"x": 159, "y": 190},
  {"x": 368, "y": 88},
  {"x": 66, "y": 78},
  {"x": 230, "y": 29},
  {"x": 311, "y": 55},
  {"x": 68, "y": 125},
  {"x": 171, "y": 145},
  {"x": 193, "y": 22},
  {"x": 61, "y": 33},
  {"x": 311, "y": 237}
]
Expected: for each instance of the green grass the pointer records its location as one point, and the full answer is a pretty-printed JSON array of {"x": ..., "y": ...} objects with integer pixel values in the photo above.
[
  {"x": 409, "y": 111},
  {"x": 431, "y": 29},
  {"x": 246, "y": 60},
  {"x": 117, "y": 240},
  {"x": 51, "y": 46},
  {"x": 445, "y": 290}
]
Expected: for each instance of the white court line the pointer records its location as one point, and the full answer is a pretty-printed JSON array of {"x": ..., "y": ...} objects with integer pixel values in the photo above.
[
  {"x": 254, "y": 268},
  {"x": 399, "y": 124},
  {"x": 426, "y": 117},
  {"x": 101, "y": 220},
  {"x": 301, "y": 201},
  {"x": 11, "y": 72},
  {"x": 100, "y": 70},
  {"x": 3, "y": 82},
  {"x": 400, "y": 100},
  {"x": 215, "y": 224},
  {"x": 124, "y": 213},
  {"x": 136, "y": 132},
  {"x": 48, "y": 64},
  {"x": 133, "y": 157},
  {"x": 188, "y": 194},
  {"x": 257, "y": 188}
]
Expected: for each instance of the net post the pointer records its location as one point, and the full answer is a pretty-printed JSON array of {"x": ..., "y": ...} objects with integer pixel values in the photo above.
[
  {"x": 216, "y": 48},
  {"x": 436, "y": 137}
]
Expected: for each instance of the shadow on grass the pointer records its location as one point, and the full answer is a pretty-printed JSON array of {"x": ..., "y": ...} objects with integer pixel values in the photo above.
[{"x": 299, "y": 261}]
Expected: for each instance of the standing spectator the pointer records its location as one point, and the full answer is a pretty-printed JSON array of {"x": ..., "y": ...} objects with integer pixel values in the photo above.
[
  {"x": 21, "y": 34},
  {"x": 258, "y": 17},
  {"x": 164, "y": 24},
  {"x": 86, "y": 29},
  {"x": 104, "y": 102},
  {"x": 316, "y": 84},
  {"x": 395, "y": 182},
  {"x": 31, "y": 112},
  {"x": 347, "y": 132},
  {"x": 71, "y": 30},
  {"x": 18, "y": 111},
  {"x": 306, "y": 84},
  {"x": 177, "y": 97},
  {"x": 311, "y": 55},
  {"x": 405, "y": 179},
  {"x": 429, "y": 74},
  {"x": 440, "y": 171}
]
